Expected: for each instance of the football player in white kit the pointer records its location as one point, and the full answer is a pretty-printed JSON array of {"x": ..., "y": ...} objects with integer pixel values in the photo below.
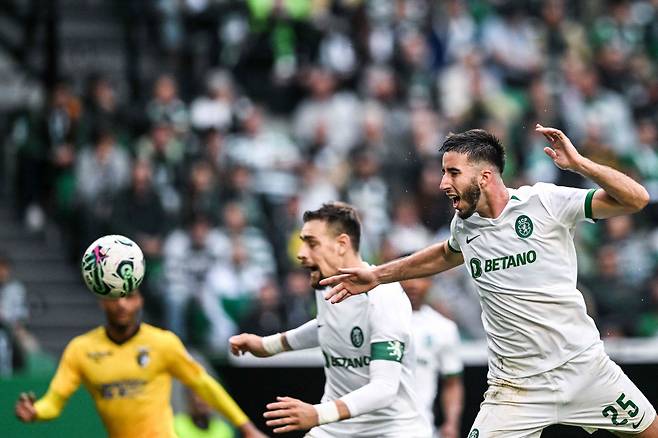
[
  {"x": 366, "y": 343},
  {"x": 436, "y": 339},
  {"x": 546, "y": 359}
]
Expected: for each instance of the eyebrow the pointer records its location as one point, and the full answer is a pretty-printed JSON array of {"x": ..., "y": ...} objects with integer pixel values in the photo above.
[
  {"x": 452, "y": 169},
  {"x": 306, "y": 238}
]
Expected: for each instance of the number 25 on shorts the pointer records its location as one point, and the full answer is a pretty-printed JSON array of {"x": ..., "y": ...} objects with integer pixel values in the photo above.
[{"x": 611, "y": 411}]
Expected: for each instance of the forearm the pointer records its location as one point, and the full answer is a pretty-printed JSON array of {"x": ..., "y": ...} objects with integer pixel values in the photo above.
[
  {"x": 623, "y": 189},
  {"x": 379, "y": 392},
  {"x": 217, "y": 397},
  {"x": 452, "y": 400},
  {"x": 49, "y": 406},
  {"x": 428, "y": 261},
  {"x": 302, "y": 337}
]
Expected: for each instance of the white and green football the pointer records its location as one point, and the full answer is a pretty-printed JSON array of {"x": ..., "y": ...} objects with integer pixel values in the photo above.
[{"x": 113, "y": 266}]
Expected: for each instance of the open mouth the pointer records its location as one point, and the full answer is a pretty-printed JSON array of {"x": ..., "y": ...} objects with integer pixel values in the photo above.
[
  {"x": 312, "y": 269},
  {"x": 455, "y": 200}
]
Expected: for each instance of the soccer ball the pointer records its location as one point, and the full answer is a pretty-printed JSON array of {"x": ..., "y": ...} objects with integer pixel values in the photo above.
[{"x": 113, "y": 266}]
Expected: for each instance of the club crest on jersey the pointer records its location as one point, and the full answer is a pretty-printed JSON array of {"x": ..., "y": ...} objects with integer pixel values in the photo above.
[
  {"x": 474, "y": 434},
  {"x": 523, "y": 226},
  {"x": 143, "y": 358},
  {"x": 356, "y": 335}
]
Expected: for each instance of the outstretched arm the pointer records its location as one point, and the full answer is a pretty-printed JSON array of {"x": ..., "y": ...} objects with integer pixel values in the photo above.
[
  {"x": 64, "y": 384},
  {"x": 304, "y": 336},
  {"x": 182, "y": 366},
  {"x": 428, "y": 261},
  {"x": 620, "y": 194}
]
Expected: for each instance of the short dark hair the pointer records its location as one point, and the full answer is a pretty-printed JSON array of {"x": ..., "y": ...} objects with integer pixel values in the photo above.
[
  {"x": 341, "y": 217},
  {"x": 478, "y": 145}
]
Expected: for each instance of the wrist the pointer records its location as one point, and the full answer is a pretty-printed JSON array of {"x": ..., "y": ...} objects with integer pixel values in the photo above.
[
  {"x": 273, "y": 344},
  {"x": 327, "y": 412},
  {"x": 378, "y": 274},
  {"x": 581, "y": 165}
]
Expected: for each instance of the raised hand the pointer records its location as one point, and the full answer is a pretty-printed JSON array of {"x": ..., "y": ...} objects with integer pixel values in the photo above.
[
  {"x": 25, "y": 410},
  {"x": 562, "y": 151},
  {"x": 288, "y": 414},
  {"x": 246, "y": 342},
  {"x": 351, "y": 281}
]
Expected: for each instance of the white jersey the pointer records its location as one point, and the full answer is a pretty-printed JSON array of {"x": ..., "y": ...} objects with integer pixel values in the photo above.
[
  {"x": 436, "y": 339},
  {"x": 524, "y": 265},
  {"x": 372, "y": 326}
]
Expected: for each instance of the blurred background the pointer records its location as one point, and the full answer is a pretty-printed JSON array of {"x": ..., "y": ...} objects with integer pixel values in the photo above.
[{"x": 203, "y": 129}]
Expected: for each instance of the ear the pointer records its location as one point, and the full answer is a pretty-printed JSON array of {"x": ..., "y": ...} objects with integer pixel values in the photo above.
[
  {"x": 344, "y": 243},
  {"x": 486, "y": 176}
]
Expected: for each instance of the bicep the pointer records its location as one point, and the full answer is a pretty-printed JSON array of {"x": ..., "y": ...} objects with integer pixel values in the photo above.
[
  {"x": 452, "y": 258},
  {"x": 605, "y": 206},
  {"x": 67, "y": 377},
  {"x": 432, "y": 260},
  {"x": 180, "y": 364}
]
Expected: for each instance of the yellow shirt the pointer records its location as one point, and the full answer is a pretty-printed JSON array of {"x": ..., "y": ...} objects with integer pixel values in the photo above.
[{"x": 131, "y": 382}]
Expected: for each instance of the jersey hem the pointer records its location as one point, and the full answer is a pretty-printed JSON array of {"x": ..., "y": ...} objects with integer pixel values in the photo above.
[{"x": 552, "y": 367}]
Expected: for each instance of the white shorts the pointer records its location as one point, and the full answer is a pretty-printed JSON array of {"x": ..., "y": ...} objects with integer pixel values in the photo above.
[{"x": 589, "y": 391}]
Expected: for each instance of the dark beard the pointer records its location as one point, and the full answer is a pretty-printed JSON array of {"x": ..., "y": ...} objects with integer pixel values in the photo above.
[{"x": 470, "y": 197}]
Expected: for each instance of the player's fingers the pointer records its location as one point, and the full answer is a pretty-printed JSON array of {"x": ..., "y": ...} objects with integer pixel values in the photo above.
[
  {"x": 349, "y": 270},
  {"x": 236, "y": 349},
  {"x": 340, "y": 296},
  {"x": 279, "y": 405},
  {"x": 32, "y": 396},
  {"x": 333, "y": 291},
  {"x": 21, "y": 412},
  {"x": 334, "y": 279},
  {"x": 288, "y": 428},
  {"x": 278, "y": 413},
  {"x": 547, "y": 129},
  {"x": 281, "y": 421},
  {"x": 551, "y": 153}
]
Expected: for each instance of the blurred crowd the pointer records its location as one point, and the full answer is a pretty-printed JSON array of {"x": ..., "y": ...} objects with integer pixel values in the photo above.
[{"x": 267, "y": 108}]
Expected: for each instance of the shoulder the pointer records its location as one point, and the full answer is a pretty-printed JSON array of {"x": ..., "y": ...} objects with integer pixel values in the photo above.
[
  {"x": 158, "y": 333},
  {"x": 386, "y": 293},
  {"x": 90, "y": 338},
  {"x": 524, "y": 193},
  {"x": 389, "y": 298}
]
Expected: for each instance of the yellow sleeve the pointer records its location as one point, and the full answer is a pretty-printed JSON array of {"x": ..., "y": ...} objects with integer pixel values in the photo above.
[
  {"x": 187, "y": 370},
  {"x": 65, "y": 383}
]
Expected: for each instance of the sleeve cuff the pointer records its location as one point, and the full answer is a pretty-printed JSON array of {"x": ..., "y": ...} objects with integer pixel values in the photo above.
[
  {"x": 450, "y": 247},
  {"x": 588, "y": 204}
]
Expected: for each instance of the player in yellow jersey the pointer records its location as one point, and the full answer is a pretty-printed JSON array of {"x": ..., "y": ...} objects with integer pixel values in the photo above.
[{"x": 127, "y": 367}]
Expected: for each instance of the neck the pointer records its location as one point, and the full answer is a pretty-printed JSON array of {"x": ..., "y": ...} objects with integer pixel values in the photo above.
[
  {"x": 493, "y": 201},
  {"x": 352, "y": 260},
  {"x": 120, "y": 334}
]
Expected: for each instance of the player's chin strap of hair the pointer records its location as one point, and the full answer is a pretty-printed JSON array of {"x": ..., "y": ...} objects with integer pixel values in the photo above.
[{"x": 327, "y": 412}]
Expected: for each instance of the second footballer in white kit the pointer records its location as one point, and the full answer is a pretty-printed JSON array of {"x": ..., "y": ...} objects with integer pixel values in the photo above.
[
  {"x": 546, "y": 360},
  {"x": 366, "y": 343},
  {"x": 436, "y": 341}
]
